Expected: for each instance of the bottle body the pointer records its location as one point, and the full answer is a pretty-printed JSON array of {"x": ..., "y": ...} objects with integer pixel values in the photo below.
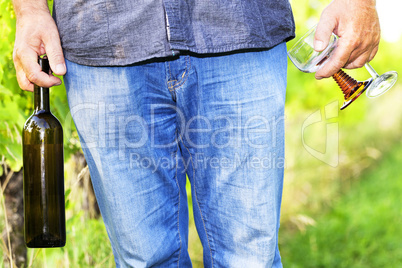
[
  {"x": 44, "y": 205},
  {"x": 43, "y": 160}
]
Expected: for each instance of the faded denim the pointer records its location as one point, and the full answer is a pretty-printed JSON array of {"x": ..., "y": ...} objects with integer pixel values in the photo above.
[{"x": 218, "y": 119}]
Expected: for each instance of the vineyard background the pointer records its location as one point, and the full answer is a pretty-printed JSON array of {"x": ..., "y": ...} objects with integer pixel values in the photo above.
[{"x": 341, "y": 208}]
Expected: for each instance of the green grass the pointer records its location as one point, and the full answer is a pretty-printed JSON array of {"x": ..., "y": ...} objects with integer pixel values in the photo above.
[
  {"x": 362, "y": 229},
  {"x": 87, "y": 246}
]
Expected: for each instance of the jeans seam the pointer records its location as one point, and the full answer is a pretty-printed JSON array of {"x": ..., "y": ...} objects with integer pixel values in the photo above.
[
  {"x": 170, "y": 78},
  {"x": 198, "y": 204},
  {"x": 178, "y": 209},
  {"x": 179, "y": 83}
]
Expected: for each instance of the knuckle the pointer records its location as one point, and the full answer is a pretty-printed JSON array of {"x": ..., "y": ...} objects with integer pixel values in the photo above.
[
  {"x": 32, "y": 76},
  {"x": 325, "y": 12},
  {"x": 20, "y": 49},
  {"x": 351, "y": 40},
  {"x": 358, "y": 64},
  {"x": 377, "y": 40},
  {"x": 325, "y": 73},
  {"x": 372, "y": 55},
  {"x": 351, "y": 66},
  {"x": 20, "y": 82},
  {"x": 24, "y": 85},
  {"x": 337, "y": 64},
  {"x": 15, "y": 57},
  {"x": 16, "y": 53},
  {"x": 56, "y": 55},
  {"x": 54, "y": 51},
  {"x": 353, "y": 43}
]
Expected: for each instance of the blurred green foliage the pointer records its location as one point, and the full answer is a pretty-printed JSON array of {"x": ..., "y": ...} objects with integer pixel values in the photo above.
[
  {"x": 343, "y": 216},
  {"x": 12, "y": 101},
  {"x": 363, "y": 229}
]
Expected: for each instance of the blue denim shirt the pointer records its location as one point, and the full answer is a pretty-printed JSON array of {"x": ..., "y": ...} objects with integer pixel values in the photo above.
[{"x": 122, "y": 32}]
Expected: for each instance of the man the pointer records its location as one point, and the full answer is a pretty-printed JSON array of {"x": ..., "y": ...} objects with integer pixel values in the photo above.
[{"x": 161, "y": 89}]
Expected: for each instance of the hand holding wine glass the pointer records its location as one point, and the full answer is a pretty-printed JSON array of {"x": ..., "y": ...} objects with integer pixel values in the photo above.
[
  {"x": 357, "y": 25},
  {"x": 308, "y": 60},
  {"x": 347, "y": 36}
]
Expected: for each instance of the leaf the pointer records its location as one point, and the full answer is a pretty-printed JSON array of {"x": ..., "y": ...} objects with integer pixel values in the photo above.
[
  {"x": 14, "y": 165},
  {"x": 67, "y": 193}
]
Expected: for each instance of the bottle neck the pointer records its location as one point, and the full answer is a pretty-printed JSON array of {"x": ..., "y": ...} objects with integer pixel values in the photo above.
[{"x": 41, "y": 99}]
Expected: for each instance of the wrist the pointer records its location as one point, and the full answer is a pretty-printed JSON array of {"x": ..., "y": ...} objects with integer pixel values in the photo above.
[{"x": 30, "y": 9}]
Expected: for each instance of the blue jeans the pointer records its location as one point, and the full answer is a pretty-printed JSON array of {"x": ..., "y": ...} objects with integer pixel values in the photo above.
[{"x": 218, "y": 119}]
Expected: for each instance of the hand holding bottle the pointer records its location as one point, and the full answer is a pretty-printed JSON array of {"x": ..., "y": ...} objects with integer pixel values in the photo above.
[{"x": 36, "y": 34}]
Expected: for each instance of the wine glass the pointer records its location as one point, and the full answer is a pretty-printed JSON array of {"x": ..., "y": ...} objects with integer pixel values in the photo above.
[{"x": 306, "y": 59}]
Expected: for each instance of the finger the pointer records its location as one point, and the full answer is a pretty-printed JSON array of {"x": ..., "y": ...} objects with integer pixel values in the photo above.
[
  {"x": 373, "y": 53},
  {"x": 55, "y": 53},
  {"x": 323, "y": 32},
  {"x": 337, "y": 60},
  {"x": 33, "y": 72},
  {"x": 23, "y": 81},
  {"x": 361, "y": 52},
  {"x": 356, "y": 53},
  {"x": 359, "y": 62},
  {"x": 42, "y": 49}
]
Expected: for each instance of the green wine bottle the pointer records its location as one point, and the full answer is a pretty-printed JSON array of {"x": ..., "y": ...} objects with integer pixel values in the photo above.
[{"x": 44, "y": 207}]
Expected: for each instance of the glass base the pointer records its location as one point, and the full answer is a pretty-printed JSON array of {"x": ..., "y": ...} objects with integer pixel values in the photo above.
[
  {"x": 382, "y": 84},
  {"x": 357, "y": 93}
]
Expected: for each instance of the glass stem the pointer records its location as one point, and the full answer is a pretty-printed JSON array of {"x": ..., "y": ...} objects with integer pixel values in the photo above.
[{"x": 370, "y": 69}]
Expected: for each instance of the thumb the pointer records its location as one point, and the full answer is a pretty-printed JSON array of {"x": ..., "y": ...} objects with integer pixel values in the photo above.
[
  {"x": 55, "y": 55},
  {"x": 323, "y": 32}
]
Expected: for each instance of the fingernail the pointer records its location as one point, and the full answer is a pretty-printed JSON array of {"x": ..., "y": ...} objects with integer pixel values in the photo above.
[
  {"x": 318, "y": 45},
  {"x": 58, "y": 83},
  {"x": 60, "y": 68}
]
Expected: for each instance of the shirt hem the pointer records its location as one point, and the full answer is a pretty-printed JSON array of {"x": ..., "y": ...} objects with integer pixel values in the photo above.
[{"x": 168, "y": 54}]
